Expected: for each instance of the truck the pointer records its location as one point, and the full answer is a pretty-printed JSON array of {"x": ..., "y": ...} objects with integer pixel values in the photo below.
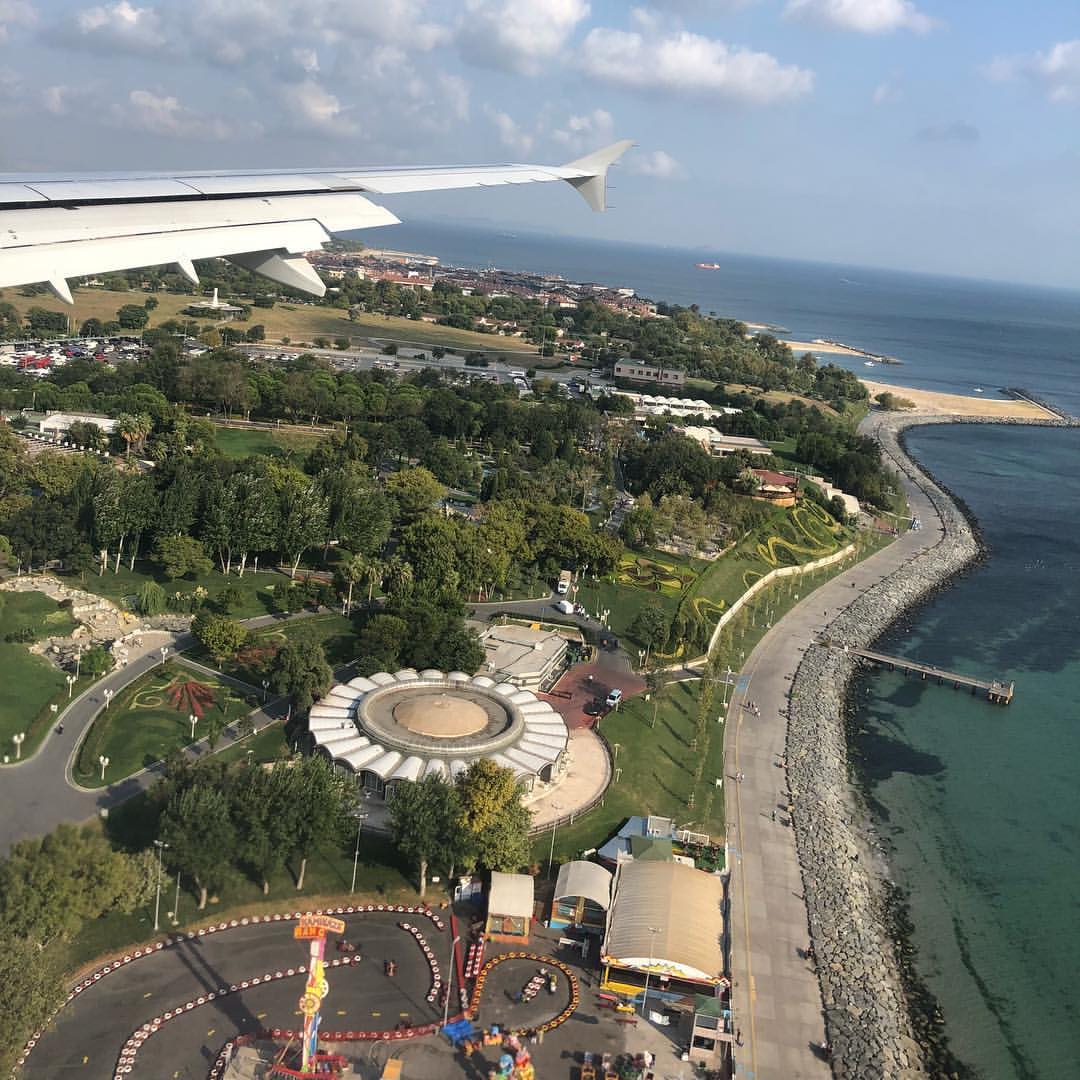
[{"x": 563, "y": 586}]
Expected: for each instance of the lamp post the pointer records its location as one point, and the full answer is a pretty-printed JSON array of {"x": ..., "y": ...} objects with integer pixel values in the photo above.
[
  {"x": 449, "y": 980},
  {"x": 103, "y": 761},
  {"x": 356, "y": 851},
  {"x": 108, "y": 697},
  {"x": 164, "y": 652},
  {"x": 176, "y": 902},
  {"x": 161, "y": 846},
  {"x": 17, "y": 739},
  {"x": 78, "y": 660},
  {"x": 192, "y": 720},
  {"x": 71, "y": 682},
  {"x": 653, "y": 930},
  {"x": 554, "y": 825},
  {"x": 265, "y": 686}
]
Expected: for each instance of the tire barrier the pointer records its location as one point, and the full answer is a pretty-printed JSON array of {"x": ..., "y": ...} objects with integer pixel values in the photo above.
[
  {"x": 172, "y": 940},
  {"x": 433, "y": 964},
  {"x": 545, "y": 961}
]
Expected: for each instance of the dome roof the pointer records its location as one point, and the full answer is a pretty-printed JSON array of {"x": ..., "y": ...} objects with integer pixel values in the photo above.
[{"x": 440, "y": 715}]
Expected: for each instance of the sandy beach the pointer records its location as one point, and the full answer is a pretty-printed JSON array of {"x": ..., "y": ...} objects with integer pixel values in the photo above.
[
  {"x": 800, "y": 347},
  {"x": 932, "y": 403}
]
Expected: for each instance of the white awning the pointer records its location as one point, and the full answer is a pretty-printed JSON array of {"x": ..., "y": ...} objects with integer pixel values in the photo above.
[
  {"x": 436, "y": 767},
  {"x": 406, "y": 675},
  {"x": 409, "y": 769},
  {"x": 341, "y": 748},
  {"x": 358, "y": 759},
  {"x": 587, "y": 879},
  {"x": 363, "y": 684},
  {"x": 383, "y": 766},
  {"x": 336, "y": 711},
  {"x": 511, "y": 895},
  {"x": 383, "y": 678}
]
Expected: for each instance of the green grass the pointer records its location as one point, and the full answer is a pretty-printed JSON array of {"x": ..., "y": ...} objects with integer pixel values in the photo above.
[
  {"x": 122, "y": 588},
  {"x": 657, "y": 773},
  {"x": 142, "y": 725},
  {"x": 30, "y": 683},
  {"x": 238, "y": 443},
  {"x": 267, "y": 745}
]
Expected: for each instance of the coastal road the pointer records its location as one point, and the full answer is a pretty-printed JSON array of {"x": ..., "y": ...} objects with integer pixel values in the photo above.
[
  {"x": 776, "y": 995},
  {"x": 38, "y": 793}
]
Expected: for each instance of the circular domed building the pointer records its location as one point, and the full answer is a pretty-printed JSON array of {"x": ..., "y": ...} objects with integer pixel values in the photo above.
[{"x": 388, "y": 728}]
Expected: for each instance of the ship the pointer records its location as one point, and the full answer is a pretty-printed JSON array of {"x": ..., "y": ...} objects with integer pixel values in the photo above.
[{"x": 708, "y": 266}]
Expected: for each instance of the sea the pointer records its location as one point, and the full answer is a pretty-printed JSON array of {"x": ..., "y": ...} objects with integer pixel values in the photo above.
[{"x": 979, "y": 804}]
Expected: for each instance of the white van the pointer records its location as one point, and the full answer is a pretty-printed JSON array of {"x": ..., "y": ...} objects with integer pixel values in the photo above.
[{"x": 564, "y": 606}]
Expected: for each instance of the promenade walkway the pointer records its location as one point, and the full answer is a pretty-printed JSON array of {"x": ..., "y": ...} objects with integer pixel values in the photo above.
[{"x": 776, "y": 994}]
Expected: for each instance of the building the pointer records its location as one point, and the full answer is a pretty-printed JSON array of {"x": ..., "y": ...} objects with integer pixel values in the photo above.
[
  {"x": 776, "y": 488},
  {"x": 653, "y": 838},
  {"x": 582, "y": 897},
  {"x": 721, "y": 445},
  {"x": 708, "y": 1030},
  {"x": 214, "y": 309},
  {"x": 666, "y": 924},
  {"x": 531, "y": 659},
  {"x": 510, "y": 908},
  {"x": 392, "y": 728},
  {"x": 59, "y": 422},
  {"x": 851, "y": 504},
  {"x": 639, "y": 371}
]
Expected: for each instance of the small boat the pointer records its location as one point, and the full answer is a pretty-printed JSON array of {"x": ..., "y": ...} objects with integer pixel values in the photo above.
[
  {"x": 868, "y": 363},
  {"x": 978, "y": 389},
  {"x": 708, "y": 266}
]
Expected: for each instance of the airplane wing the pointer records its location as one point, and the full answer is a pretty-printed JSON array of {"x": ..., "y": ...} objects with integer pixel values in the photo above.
[{"x": 66, "y": 226}]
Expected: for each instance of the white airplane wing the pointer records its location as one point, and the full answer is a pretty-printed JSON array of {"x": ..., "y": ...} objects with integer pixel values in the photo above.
[{"x": 66, "y": 226}]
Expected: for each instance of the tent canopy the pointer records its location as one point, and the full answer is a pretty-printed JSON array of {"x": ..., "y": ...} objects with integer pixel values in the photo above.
[
  {"x": 587, "y": 879},
  {"x": 511, "y": 894}
]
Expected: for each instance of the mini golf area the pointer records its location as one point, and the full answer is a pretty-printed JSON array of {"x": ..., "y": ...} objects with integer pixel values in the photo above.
[{"x": 183, "y": 1005}]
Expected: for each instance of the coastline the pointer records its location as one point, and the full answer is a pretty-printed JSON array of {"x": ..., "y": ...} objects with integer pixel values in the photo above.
[{"x": 879, "y": 1018}]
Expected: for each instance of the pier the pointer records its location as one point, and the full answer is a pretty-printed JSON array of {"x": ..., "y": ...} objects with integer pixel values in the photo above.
[{"x": 996, "y": 691}]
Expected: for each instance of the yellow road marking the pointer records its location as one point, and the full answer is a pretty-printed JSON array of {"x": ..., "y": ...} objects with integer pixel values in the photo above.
[
  {"x": 85, "y": 1059},
  {"x": 147, "y": 994},
  {"x": 210, "y": 1031},
  {"x": 260, "y": 1016},
  {"x": 341, "y": 1012}
]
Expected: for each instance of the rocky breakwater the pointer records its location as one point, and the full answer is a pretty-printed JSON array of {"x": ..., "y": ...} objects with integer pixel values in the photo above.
[{"x": 867, "y": 1014}]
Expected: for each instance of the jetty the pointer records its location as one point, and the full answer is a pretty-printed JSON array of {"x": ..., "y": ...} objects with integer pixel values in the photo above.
[{"x": 996, "y": 691}]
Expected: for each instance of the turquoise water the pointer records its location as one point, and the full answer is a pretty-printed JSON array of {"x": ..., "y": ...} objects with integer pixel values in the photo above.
[{"x": 981, "y": 803}]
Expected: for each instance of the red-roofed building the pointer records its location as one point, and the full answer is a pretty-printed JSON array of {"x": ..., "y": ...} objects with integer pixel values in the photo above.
[{"x": 776, "y": 487}]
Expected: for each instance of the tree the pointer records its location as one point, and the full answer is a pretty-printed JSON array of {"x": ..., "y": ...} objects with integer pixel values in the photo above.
[
  {"x": 133, "y": 317},
  {"x": 320, "y": 805},
  {"x": 384, "y": 637},
  {"x": 415, "y": 490},
  {"x": 303, "y": 511},
  {"x": 299, "y": 670},
  {"x": 650, "y": 626},
  {"x": 30, "y": 991},
  {"x": 256, "y": 796},
  {"x": 134, "y": 428},
  {"x": 223, "y": 636},
  {"x": 150, "y": 599},
  {"x": 179, "y": 556},
  {"x": 198, "y": 827},
  {"x": 96, "y": 662},
  {"x": 494, "y": 823},
  {"x": 352, "y": 570},
  {"x": 424, "y": 818}
]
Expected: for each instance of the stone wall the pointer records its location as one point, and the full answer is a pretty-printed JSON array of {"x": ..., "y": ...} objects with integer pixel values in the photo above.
[{"x": 862, "y": 991}]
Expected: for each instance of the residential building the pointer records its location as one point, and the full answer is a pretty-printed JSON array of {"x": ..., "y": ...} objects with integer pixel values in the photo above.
[{"x": 639, "y": 371}]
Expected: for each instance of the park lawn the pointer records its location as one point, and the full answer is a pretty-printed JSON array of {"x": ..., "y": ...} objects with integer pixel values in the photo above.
[
  {"x": 143, "y": 725},
  {"x": 30, "y": 683},
  {"x": 268, "y": 744},
  {"x": 239, "y": 443},
  {"x": 121, "y": 588},
  {"x": 782, "y": 397},
  {"x": 335, "y": 633},
  {"x": 657, "y": 773},
  {"x": 380, "y": 878}
]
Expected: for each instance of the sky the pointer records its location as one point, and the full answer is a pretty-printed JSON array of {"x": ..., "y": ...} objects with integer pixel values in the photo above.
[{"x": 911, "y": 134}]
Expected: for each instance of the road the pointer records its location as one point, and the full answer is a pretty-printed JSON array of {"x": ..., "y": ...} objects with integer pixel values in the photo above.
[
  {"x": 39, "y": 794},
  {"x": 777, "y": 997}
]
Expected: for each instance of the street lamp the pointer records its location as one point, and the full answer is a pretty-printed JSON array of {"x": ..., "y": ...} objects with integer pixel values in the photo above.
[
  {"x": 356, "y": 851},
  {"x": 103, "y": 760},
  {"x": 653, "y": 930},
  {"x": 17, "y": 739},
  {"x": 192, "y": 720},
  {"x": 161, "y": 846},
  {"x": 71, "y": 682},
  {"x": 108, "y": 697},
  {"x": 78, "y": 660},
  {"x": 164, "y": 652},
  {"x": 554, "y": 825},
  {"x": 449, "y": 980},
  {"x": 266, "y": 686}
]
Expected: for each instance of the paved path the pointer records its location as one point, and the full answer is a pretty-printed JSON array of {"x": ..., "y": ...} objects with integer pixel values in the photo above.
[
  {"x": 777, "y": 997},
  {"x": 38, "y": 794}
]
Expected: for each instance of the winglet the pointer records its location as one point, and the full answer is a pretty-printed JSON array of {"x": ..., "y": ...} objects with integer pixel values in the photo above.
[{"x": 592, "y": 183}]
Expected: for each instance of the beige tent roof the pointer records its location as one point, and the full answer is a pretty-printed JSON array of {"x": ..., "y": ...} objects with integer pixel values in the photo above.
[
  {"x": 681, "y": 904},
  {"x": 510, "y": 894},
  {"x": 586, "y": 879}
]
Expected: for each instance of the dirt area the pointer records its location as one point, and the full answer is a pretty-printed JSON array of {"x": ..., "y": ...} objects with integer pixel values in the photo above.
[{"x": 932, "y": 403}]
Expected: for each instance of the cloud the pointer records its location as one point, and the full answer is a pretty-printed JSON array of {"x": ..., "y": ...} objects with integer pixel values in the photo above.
[
  {"x": 690, "y": 65},
  {"x": 659, "y": 164},
  {"x": 157, "y": 114},
  {"x": 886, "y": 93},
  {"x": 454, "y": 94},
  {"x": 15, "y": 13},
  {"x": 396, "y": 22},
  {"x": 587, "y": 131},
  {"x": 116, "y": 28},
  {"x": 312, "y": 108},
  {"x": 862, "y": 16},
  {"x": 954, "y": 131},
  {"x": 1056, "y": 71},
  {"x": 510, "y": 134},
  {"x": 518, "y": 35},
  {"x": 57, "y": 99}
]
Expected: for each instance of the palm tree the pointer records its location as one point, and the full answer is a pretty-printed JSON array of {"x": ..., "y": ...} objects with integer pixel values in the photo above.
[
  {"x": 353, "y": 570},
  {"x": 133, "y": 428},
  {"x": 374, "y": 571},
  {"x": 398, "y": 576}
]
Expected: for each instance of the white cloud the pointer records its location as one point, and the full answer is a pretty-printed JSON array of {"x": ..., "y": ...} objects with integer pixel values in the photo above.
[
  {"x": 510, "y": 134},
  {"x": 659, "y": 163},
  {"x": 518, "y": 35},
  {"x": 57, "y": 99},
  {"x": 885, "y": 93},
  {"x": 312, "y": 108},
  {"x": 862, "y": 16},
  {"x": 454, "y": 93},
  {"x": 691, "y": 65},
  {"x": 15, "y": 13},
  {"x": 163, "y": 114},
  {"x": 586, "y": 132},
  {"x": 397, "y": 22},
  {"x": 1056, "y": 71},
  {"x": 119, "y": 27}
]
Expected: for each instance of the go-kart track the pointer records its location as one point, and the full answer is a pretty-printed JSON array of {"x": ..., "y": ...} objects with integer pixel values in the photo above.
[{"x": 168, "y": 1011}]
